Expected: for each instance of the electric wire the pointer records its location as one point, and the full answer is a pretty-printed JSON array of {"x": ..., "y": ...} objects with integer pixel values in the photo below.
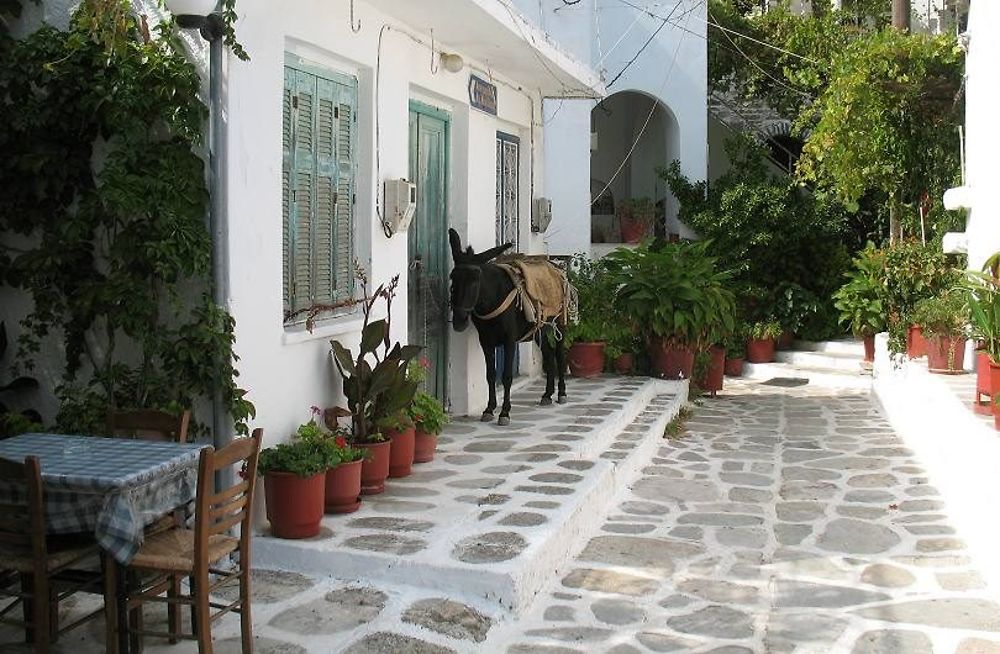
[{"x": 652, "y": 36}]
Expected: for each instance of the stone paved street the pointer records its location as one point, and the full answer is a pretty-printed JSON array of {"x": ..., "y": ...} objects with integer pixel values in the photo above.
[{"x": 783, "y": 520}]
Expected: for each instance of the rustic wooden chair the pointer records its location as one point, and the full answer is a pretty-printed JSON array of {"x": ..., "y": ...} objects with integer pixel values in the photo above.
[
  {"x": 148, "y": 424},
  {"x": 197, "y": 553},
  {"x": 35, "y": 570}
]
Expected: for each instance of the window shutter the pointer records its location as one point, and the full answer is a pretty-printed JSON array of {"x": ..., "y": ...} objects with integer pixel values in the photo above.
[
  {"x": 327, "y": 198},
  {"x": 344, "y": 226},
  {"x": 304, "y": 192},
  {"x": 287, "y": 184}
]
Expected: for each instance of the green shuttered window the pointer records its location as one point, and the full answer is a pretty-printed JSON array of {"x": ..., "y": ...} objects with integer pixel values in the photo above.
[{"x": 317, "y": 186}]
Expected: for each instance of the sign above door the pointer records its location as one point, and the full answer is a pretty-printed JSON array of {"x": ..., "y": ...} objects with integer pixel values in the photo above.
[{"x": 482, "y": 95}]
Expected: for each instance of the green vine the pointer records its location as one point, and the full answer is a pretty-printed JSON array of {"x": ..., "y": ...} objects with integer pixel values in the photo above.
[{"x": 102, "y": 184}]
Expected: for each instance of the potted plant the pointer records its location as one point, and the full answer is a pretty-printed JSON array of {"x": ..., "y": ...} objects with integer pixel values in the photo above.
[
  {"x": 983, "y": 297},
  {"x": 736, "y": 350},
  {"x": 859, "y": 301},
  {"x": 429, "y": 418},
  {"x": 294, "y": 486},
  {"x": 792, "y": 305},
  {"x": 713, "y": 364},
  {"x": 400, "y": 431},
  {"x": 343, "y": 477},
  {"x": 761, "y": 337},
  {"x": 676, "y": 298},
  {"x": 587, "y": 337},
  {"x": 636, "y": 216},
  {"x": 375, "y": 386},
  {"x": 943, "y": 320}
]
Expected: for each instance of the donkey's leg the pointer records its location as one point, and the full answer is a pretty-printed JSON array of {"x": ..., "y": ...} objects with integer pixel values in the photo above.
[
  {"x": 490, "y": 354},
  {"x": 548, "y": 365},
  {"x": 509, "y": 350},
  {"x": 560, "y": 365}
]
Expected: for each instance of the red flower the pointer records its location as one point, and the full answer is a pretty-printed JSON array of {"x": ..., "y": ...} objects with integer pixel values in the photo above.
[{"x": 340, "y": 441}]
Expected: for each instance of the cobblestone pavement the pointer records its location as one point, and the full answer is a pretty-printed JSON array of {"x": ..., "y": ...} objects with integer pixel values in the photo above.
[{"x": 784, "y": 520}]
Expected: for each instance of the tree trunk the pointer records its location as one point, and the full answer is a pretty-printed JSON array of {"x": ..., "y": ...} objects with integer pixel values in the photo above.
[{"x": 901, "y": 14}]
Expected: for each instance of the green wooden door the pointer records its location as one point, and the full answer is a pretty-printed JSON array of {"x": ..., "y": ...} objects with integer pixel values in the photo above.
[{"x": 428, "y": 261}]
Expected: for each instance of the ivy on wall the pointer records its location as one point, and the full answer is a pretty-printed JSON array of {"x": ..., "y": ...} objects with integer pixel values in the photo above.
[{"x": 103, "y": 194}]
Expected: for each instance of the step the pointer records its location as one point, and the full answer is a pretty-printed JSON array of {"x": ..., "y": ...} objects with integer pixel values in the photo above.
[
  {"x": 500, "y": 509},
  {"x": 826, "y": 360},
  {"x": 830, "y": 377},
  {"x": 838, "y": 346}
]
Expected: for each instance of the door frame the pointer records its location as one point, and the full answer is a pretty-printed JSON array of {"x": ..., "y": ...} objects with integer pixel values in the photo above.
[{"x": 422, "y": 108}]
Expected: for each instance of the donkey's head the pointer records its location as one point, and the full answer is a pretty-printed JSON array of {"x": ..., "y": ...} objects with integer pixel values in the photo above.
[{"x": 467, "y": 278}]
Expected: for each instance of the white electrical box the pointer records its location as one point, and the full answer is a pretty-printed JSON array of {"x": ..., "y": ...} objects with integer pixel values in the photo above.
[
  {"x": 400, "y": 204},
  {"x": 541, "y": 214}
]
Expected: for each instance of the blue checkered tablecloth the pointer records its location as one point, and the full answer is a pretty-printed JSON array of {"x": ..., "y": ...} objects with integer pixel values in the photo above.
[{"x": 111, "y": 486}]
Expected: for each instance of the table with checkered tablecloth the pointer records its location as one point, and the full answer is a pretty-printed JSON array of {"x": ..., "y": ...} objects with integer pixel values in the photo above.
[{"x": 111, "y": 486}]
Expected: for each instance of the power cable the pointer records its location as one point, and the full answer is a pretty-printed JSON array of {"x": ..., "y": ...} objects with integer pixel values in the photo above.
[{"x": 652, "y": 36}]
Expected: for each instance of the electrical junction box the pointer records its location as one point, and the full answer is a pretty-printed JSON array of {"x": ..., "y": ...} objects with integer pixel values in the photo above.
[
  {"x": 541, "y": 214},
  {"x": 400, "y": 204}
]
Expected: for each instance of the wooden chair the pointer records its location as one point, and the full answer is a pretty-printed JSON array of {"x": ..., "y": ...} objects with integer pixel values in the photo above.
[
  {"x": 35, "y": 570},
  {"x": 148, "y": 424},
  {"x": 197, "y": 553}
]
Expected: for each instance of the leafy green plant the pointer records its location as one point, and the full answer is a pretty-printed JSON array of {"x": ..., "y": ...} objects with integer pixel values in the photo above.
[
  {"x": 945, "y": 315},
  {"x": 303, "y": 458},
  {"x": 673, "y": 291},
  {"x": 594, "y": 286},
  {"x": 375, "y": 393},
  {"x": 12, "y": 421},
  {"x": 102, "y": 181},
  {"x": 859, "y": 301},
  {"x": 983, "y": 296},
  {"x": 427, "y": 413},
  {"x": 335, "y": 442},
  {"x": 736, "y": 342},
  {"x": 764, "y": 329},
  {"x": 641, "y": 210}
]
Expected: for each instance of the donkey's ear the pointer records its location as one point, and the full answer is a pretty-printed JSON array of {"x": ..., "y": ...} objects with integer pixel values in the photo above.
[
  {"x": 456, "y": 244},
  {"x": 488, "y": 255}
]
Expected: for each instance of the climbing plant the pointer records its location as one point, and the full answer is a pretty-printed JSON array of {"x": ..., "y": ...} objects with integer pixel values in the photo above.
[{"x": 102, "y": 192}]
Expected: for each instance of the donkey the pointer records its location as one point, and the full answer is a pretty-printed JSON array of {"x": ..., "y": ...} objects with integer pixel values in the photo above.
[{"x": 479, "y": 289}]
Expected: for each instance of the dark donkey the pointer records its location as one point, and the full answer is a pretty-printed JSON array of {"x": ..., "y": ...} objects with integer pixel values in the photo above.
[{"x": 479, "y": 289}]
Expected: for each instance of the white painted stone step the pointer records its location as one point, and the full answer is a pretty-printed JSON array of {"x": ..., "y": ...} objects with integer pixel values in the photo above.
[
  {"x": 839, "y": 346},
  {"x": 827, "y": 360},
  {"x": 831, "y": 377},
  {"x": 501, "y": 509}
]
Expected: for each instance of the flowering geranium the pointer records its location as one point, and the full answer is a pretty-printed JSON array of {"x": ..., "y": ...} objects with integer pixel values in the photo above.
[
  {"x": 333, "y": 443},
  {"x": 427, "y": 413}
]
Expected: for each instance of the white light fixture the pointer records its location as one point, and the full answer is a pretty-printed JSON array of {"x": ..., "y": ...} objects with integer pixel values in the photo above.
[
  {"x": 452, "y": 62},
  {"x": 193, "y": 14}
]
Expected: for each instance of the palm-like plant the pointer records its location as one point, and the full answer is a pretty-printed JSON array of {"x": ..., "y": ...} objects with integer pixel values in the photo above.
[
  {"x": 860, "y": 299},
  {"x": 983, "y": 291}
]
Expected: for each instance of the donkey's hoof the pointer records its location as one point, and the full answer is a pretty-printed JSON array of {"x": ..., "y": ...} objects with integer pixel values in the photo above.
[
  {"x": 545, "y": 401},
  {"x": 562, "y": 399},
  {"x": 503, "y": 421},
  {"x": 487, "y": 417}
]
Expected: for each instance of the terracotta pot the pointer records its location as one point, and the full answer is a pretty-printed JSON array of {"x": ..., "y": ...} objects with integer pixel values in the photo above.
[
  {"x": 711, "y": 381},
  {"x": 760, "y": 350},
  {"x": 624, "y": 364},
  {"x": 343, "y": 488},
  {"x": 734, "y": 367},
  {"x": 424, "y": 445},
  {"x": 984, "y": 387},
  {"x": 401, "y": 452},
  {"x": 375, "y": 467},
  {"x": 670, "y": 360},
  {"x": 785, "y": 340},
  {"x": 633, "y": 231},
  {"x": 946, "y": 355},
  {"x": 586, "y": 359},
  {"x": 294, "y": 504},
  {"x": 916, "y": 344},
  {"x": 869, "y": 342}
]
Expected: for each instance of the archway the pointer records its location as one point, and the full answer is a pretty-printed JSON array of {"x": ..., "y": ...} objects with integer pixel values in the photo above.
[{"x": 633, "y": 134}]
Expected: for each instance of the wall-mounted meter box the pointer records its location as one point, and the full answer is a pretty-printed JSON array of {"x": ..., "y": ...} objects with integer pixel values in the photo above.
[
  {"x": 400, "y": 204},
  {"x": 541, "y": 214}
]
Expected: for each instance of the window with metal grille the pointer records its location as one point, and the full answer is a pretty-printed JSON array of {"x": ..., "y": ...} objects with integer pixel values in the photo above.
[{"x": 317, "y": 188}]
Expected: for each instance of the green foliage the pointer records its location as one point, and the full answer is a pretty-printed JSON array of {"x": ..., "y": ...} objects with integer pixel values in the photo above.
[
  {"x": 427, "y": 413},
  {"x": 764, "y": 329},
  {"x": 945, "y": 315},
  {"x": 983, "y": 297},
  {"x": 675, "y": 291},
  {"x": 13, "y": 421},
  {"x": 859, "y": 301},
  {"x": 912, "y": 272},
  {"x": 334, "y": 444},
  {"x": 783, "y": 247},
  {"x": 641, "y": 210},
  {"x": 303, "y": 458},
  {"x": 595, "y": 287},
  {"x": 885, "y": 122},
  {"x": 101, "y": 179},
  {"x": 381, "y": 392}
]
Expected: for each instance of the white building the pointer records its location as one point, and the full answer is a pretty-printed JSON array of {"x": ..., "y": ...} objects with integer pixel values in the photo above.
[{"x": 652, "y": 56}]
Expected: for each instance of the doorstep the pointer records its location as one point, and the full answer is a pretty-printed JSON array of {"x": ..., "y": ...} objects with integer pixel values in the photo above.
[
  {"x": 500, "y": 510},
  {"x": 959, "y": 449}
]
